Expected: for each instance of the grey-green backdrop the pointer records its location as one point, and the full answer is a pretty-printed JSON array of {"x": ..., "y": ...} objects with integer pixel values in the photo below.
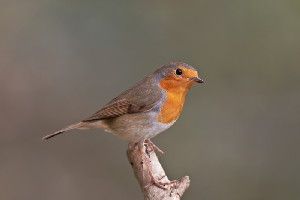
[{"x": 60, "y": 61}]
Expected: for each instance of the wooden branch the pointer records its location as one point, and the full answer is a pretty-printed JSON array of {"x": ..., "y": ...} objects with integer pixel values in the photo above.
[{"x": 144, "y": 164}]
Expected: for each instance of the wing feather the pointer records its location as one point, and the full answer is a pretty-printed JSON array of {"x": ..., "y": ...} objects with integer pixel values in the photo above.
[{"x": 140, "y": 98}]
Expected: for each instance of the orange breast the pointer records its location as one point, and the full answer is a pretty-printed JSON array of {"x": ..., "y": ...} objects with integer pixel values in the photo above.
[{"x": 176, "y": 93}]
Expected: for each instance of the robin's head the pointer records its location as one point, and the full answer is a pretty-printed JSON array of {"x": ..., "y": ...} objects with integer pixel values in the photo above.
[{"x": 177, "y": 75}]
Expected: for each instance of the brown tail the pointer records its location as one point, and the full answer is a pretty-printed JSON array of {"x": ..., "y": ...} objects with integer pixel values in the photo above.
[{"x": 79, "y": 125}]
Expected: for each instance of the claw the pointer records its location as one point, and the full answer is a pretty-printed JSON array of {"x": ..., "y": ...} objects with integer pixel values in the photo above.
[{"x": 150, "y": 146}]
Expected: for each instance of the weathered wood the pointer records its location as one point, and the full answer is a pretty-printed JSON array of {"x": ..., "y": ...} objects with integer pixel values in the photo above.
[{"x": 144, "y": 164}]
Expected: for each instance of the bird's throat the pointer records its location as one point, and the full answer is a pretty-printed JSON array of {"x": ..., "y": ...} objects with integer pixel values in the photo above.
[{"x": 173, "y": 105}]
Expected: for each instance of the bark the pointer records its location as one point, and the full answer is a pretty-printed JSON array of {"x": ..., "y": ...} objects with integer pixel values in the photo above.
[{"x": 146, "y": 163}]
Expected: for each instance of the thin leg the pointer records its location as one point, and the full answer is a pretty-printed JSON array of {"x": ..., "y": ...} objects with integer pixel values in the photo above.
[
  {"x": 146, "y": 147},
  {"x": 150, "y": 146}
]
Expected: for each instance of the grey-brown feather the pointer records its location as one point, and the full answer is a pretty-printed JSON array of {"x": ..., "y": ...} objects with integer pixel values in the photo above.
[
  {"x": 140, "y": 98},
  {"x": 68, "y": 128},
  {"x": 144, "y": 97}
]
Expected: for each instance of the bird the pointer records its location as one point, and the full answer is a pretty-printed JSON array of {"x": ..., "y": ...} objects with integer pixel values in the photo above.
[{"x": 148, "y": 108}]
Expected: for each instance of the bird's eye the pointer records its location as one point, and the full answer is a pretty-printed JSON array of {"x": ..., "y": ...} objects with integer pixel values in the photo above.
[{"x": 178, "y": 71}]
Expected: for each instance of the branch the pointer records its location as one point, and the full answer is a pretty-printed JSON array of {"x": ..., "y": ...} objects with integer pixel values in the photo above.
[{"x": 144, "y": 164}]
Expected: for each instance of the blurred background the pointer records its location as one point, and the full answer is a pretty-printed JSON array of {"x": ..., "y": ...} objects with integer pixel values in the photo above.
[{"x": 60, "y": 61}]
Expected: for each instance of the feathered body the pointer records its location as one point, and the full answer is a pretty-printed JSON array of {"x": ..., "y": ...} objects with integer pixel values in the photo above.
[{"x": 146, "y": 109}]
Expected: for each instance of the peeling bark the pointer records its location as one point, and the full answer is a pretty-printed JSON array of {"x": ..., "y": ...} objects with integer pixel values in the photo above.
[{"x": 144, "y": 164}]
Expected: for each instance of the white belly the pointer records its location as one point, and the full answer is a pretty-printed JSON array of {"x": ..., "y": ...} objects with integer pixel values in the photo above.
[
  {"x": 134, "y": 127},
  {"x": 158, "y": 128}
]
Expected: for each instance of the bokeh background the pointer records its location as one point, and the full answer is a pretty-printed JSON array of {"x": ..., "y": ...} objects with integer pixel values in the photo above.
[{"x": 239, "y": 135}]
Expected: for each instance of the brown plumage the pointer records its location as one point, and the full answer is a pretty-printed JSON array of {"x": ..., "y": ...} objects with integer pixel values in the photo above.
[{"x": 146, "y": 109}]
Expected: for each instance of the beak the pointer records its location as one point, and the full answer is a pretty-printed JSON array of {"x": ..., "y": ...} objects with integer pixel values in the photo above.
[{"x": 197, "y": 80}]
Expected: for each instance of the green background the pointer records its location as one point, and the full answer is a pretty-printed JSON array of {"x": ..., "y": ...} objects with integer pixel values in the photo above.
[{"x": 238, "y": 137}]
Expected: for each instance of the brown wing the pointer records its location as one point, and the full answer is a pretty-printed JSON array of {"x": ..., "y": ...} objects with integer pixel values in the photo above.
[
  {"x": 114, "y": 109},
  {"x": 141, "y": 98}
]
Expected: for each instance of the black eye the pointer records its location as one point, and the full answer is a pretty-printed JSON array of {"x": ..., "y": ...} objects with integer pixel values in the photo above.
[{"x": 178, "y": 71}]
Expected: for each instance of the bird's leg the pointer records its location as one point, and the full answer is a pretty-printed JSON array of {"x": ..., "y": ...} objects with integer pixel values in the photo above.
[
  {"x": 150, "y": 146},
  {"x": 146, "y": 147}
]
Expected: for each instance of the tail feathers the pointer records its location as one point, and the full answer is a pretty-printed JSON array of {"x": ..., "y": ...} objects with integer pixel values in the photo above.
[{"x": 79, "y": 125}]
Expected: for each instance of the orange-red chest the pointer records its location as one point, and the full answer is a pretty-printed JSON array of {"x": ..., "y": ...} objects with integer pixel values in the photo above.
[{"x": 173, "y": 105}]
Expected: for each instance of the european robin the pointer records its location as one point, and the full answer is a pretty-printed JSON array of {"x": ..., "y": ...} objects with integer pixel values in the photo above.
[{"x": 146, "y": 109}]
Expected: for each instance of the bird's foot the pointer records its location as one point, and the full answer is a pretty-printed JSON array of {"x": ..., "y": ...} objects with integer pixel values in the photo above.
[{"x": 150, "y": 146}]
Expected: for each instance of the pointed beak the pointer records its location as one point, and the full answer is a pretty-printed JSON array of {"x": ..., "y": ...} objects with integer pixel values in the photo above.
[{"x": 197, "y": 80}]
